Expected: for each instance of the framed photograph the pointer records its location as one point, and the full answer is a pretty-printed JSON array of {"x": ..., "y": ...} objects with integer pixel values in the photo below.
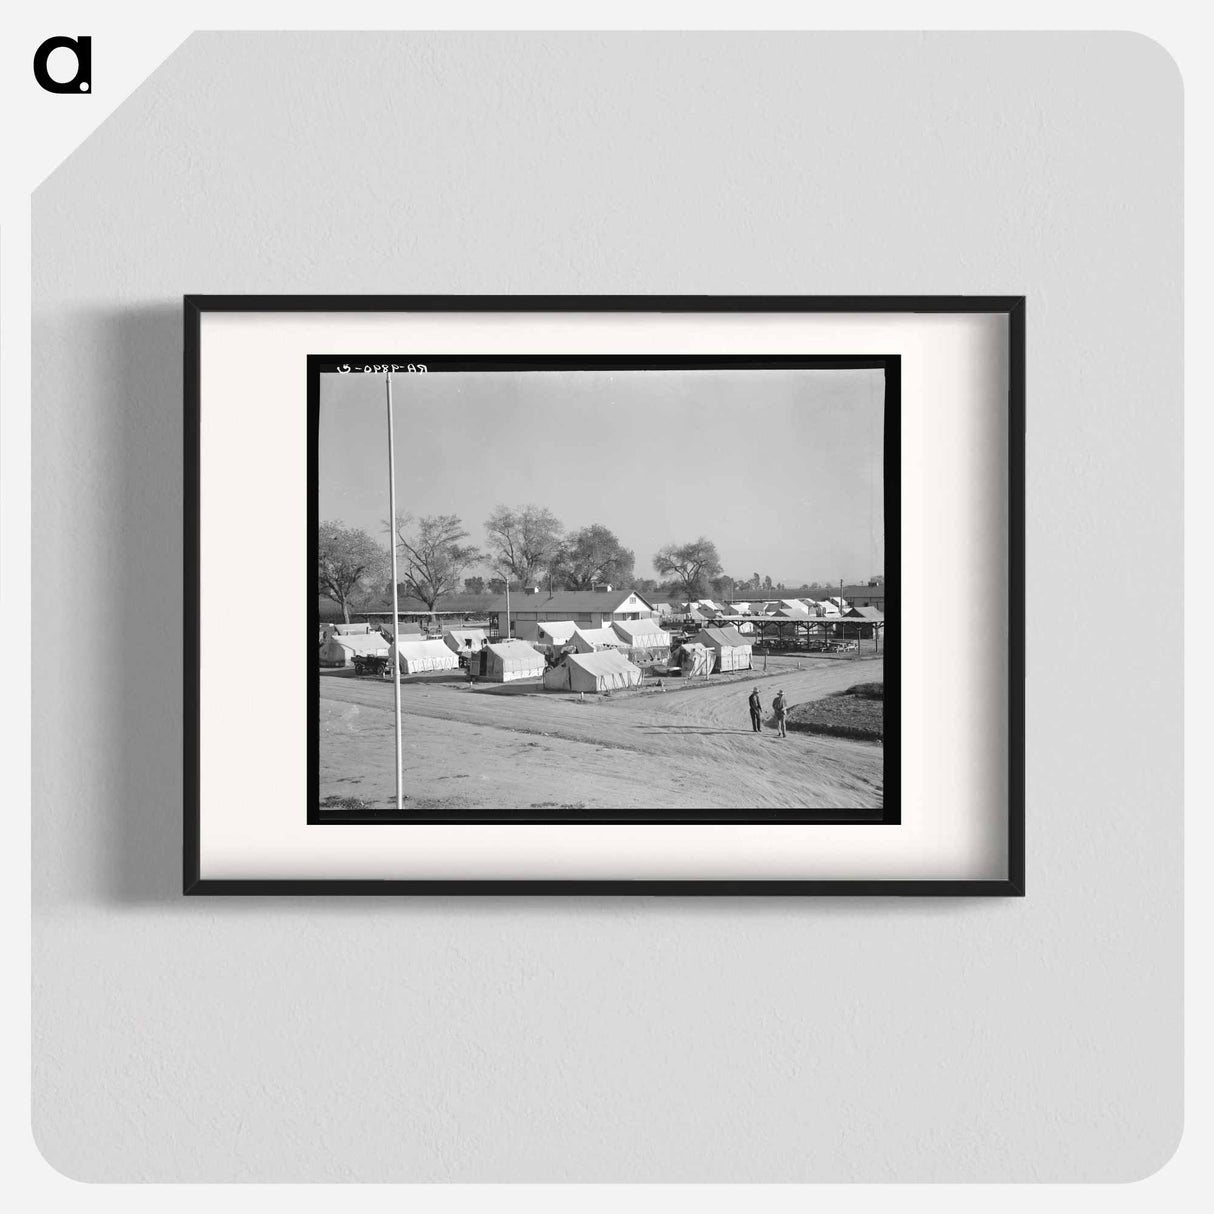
[{"x": 615, "y": 594}]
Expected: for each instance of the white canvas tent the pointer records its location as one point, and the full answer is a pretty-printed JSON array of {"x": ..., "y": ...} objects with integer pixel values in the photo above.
[
  {"x": 609, "y": 670},
  {"x": 591, "y": 640},
  {"x": 418, "y": 657},
  {"x": 351, "y": 629},
  {"x": 507, "y": 661},
  {"x": 643, "y": 636},
  {"x": 360, "y": 644},
  {"x": 551, "y": 634},
  {"x": 463, "y": 640},
  {"x": 695, "y": 659},
  {"x": 730, "y": 647},
  {"x": 332, "y": 653}
]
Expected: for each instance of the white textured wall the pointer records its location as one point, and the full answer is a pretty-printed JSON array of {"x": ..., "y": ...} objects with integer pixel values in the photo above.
[{"x": 621, "y": 1039}]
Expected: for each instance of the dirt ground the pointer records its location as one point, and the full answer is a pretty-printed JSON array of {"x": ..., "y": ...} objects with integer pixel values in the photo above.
[{"x": 520, "y": 747}]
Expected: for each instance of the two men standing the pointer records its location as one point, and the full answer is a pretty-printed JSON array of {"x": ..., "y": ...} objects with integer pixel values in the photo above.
[{"x": 779, "y": 706}]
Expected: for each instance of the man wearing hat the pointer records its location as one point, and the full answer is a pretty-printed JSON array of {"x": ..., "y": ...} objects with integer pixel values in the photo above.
[
  {"x": 781, "y": 710},
  {"x": 756, "y": 711}
]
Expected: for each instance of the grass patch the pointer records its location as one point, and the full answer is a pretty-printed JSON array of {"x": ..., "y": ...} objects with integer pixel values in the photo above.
[
  {"x": 858, "y": 712},
  {"x": 868, "y": 691}
]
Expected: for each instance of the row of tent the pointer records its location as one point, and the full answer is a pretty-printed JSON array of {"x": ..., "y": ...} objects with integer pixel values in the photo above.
[
  {"x": 597, "y": 663},
  {"x": 549, "y": 635},
  {"x": 711, "y": 650},
  {"x": 644, "y": 634},
  {"x": 502, "y": 661},
  {"x": 707, "y": 609}
]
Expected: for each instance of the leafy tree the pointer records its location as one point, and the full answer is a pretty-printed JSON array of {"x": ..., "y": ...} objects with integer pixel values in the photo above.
[
  {"x": 723, "y": 586},
  {"x": 691, "y": 565},
  {"x": 523, "y": 540},
  {"x": 433, "y": 555},
  {"x": 474, "y": 585},
  {"x": 349, "y": 563},
  {"x": 590, "y": 557},
  {"x": 767, "y": 582}
]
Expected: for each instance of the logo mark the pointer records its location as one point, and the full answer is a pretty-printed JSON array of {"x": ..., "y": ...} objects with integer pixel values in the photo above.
[{"x": 82, "y": 48}]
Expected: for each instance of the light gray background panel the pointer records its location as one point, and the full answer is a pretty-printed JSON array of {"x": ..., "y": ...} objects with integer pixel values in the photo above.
[{"x": 627, "y": 1039}]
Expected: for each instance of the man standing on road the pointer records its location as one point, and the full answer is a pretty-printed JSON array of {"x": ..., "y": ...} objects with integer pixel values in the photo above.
[
  {"x": 781, "y": 710},
  {"x": 756, "y": 711}
]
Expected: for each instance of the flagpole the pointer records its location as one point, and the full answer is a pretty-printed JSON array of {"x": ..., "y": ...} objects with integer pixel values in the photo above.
[{"x": 395, "y": 600}]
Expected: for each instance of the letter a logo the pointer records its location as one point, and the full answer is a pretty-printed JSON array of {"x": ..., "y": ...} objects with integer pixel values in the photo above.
[{"x": 82, "y": 81}]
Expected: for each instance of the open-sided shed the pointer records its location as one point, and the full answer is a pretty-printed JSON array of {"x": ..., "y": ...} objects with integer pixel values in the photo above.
[{"x": 861, "y": 622}]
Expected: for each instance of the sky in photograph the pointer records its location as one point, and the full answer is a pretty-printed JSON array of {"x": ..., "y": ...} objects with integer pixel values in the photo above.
[{"x": 781, "y": 469}]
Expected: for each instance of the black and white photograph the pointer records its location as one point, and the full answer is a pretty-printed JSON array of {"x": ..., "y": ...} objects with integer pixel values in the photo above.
[{"x": 571, "y": 589}]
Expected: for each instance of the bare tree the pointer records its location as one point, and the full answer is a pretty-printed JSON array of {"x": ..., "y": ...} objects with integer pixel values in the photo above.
[
  {"x": 523, "y": 540},
  {"x": 349, "y": 563},
  {"x": 593, "y": 556},
  {"x": 691, "y": 565},
  {"x": 433, "y": 555}
]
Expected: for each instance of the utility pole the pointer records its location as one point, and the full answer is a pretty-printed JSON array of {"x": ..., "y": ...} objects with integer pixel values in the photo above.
[{"x": 400, "y": 796}]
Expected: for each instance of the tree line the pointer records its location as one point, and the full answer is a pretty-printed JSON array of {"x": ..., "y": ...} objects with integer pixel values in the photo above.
[{"x": 525, "y": 545}]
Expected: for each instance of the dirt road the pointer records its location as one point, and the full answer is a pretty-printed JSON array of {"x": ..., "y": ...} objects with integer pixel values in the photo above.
[{"x": 685, "y": 749}]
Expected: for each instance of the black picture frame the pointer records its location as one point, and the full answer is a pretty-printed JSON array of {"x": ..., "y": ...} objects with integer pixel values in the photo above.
[{"x": 1011, "y": 307}]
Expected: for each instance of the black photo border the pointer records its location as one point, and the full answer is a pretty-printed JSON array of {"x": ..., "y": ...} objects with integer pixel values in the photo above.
[
  {"x": 888, "y": 814},
  {"x": 1012, "y": 307}
]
